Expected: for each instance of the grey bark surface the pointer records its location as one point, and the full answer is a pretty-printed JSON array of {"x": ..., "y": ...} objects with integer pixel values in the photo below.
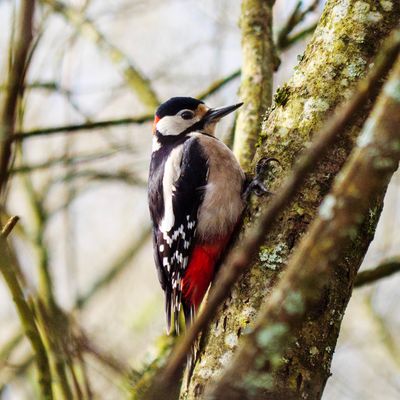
[
  {"x": 316, "y": 267},
  {"x": 344, "y": 44}
]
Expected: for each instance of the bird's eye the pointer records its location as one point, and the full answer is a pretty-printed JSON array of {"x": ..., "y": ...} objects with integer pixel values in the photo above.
[{"x": 187, "y": 115}]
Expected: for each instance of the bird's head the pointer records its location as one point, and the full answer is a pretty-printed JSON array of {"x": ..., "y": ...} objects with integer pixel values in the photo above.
[{"x": 181, "y": 115}]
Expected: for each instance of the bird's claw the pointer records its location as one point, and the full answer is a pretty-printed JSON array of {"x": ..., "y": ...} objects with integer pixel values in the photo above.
[
  {"x": 257, "y": 187},
  {"x": 262, "y": 165},
  {"x": 256, "y": 184}
]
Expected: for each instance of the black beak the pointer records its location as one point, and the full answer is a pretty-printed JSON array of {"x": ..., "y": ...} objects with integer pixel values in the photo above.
[{"x": 215, "y": 114}]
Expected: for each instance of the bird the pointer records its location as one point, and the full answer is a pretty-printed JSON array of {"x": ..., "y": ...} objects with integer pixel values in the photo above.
[{"x": 197, "y": 193}]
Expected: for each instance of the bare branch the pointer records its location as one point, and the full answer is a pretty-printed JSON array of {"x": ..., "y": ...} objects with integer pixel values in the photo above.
[
  {"x": 218, "y": 84},
  {"x": 123, "y": 176},
  {"x": 116, "y": 268},
  {"x": 292, "y": 39},
  {"x": 85, "y": 126},
  {"x": 387, "y": 268},
  {"x": 296, "y": 17},
  {"x": 27, "y": 319},
  {"x": 16, "y": 78},
  {"x": 9, "y": 226},
  {"x": 86, "y": 346},
  {"x": 134, "y": 78},
  {"x": 213, "y": 88},
  {"x": 75, "y": 160}
]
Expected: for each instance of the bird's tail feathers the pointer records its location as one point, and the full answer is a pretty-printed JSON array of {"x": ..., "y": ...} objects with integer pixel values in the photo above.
[
  {"x": 168, "y": 309},
  {"x": 189, "y": 311}
]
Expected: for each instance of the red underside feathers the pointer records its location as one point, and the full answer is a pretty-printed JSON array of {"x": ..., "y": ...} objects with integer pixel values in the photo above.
[{"x": 200, "y": 271}]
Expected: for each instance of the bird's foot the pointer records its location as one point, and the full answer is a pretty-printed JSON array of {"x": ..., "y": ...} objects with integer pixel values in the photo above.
[{"x": 256, "y": 185}]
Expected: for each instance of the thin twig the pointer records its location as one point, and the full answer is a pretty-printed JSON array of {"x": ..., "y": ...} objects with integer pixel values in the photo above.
[
  {"x": 292, "y": 39},
  {"x": 238, "y": 261},
  {"x": 52, "y": 86},
  {"x": 133, "y": 77},
  {"x": 16, "y": 78},
  {"x": 295, "y": 18},
  {"x": 127, "y": 177},
  {"x": 387, "y": 268},
  {"x": 213, "y": 88},
  {"x": 387, "y": 339},
  {"x": 82, "y": 127},
  {"x": 55, "y": 333},
  {"x": 50, "y": 317},
  {"x": 9, "y": 347},
  {"x": 27, "y": 319},
  {"x": 117, "y": 267},
  {"x": 86, "y": 346},
  {"x": 77, "y": 159},
  {"x": 218, "y": 84},
  {"x": 9, "y": 226}
]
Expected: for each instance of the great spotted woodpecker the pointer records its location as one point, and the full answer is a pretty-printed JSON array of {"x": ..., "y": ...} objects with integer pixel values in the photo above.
[{"x": 196, "y": 197}]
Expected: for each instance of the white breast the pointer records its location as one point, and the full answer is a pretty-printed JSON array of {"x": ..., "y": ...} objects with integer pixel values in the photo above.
[{"x": 222, "y": 204}]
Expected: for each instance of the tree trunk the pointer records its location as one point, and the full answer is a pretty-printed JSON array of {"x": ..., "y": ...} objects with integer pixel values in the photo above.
[
  {"x": 301, "y": 294},
  {"x": 345, "y": 43}
]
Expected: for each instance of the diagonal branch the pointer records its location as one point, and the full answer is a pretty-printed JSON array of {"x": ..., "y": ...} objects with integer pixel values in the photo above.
[
  {"x": 115, "y": 270},
  {"x": 25, "y": 314},
  {"x": 88, "y": 126},
  {"x": 326, "y": 76},
  {"x": 384, "y": 270},
  {"x": 295, "y": 18},
  {"x": 302, "y": 289},
  {"x": 81, "y": 127},
  {"x": 237, "y": 262},
  {"x": 133, "y": 77},
  {"x": 15, "y": 83}
]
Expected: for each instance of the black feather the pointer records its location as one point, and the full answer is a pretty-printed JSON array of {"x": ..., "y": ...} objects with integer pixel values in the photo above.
[
  {"x": 176, "y": 104},
  {"x": 172, "y": 249}
]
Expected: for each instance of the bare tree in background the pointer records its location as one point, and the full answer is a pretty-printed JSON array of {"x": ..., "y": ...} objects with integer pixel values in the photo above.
[{"x": 270, "y": 325}]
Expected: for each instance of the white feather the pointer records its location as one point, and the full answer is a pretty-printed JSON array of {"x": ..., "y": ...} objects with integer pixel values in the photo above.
[
  {"x": 172, "y": 171},
  {"x": 172, "y": 125},
  {"x": 156, "y": 145}
]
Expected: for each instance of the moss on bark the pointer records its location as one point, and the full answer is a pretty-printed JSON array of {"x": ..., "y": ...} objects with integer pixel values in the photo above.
[
  {"x": 344, "y": 44},
  {"x": 299, "y": 298}
]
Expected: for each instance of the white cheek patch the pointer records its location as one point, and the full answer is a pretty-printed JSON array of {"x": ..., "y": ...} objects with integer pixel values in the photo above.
[{"x": 172, "y": 125}]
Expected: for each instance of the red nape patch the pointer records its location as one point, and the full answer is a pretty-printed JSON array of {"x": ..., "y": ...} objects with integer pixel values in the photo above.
[
  {"x": 200, "y": 271},
  {"x": 156, "y": 119}
]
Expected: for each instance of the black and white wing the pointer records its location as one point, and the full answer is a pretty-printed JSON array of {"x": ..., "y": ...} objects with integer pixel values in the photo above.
[{"x": 175, "y": 198}]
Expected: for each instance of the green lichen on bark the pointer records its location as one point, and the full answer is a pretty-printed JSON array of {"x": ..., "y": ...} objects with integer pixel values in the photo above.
[
  {"x": 344, "y": 44},
  {"x": 139, "y": 381},
  {"x": 312, "y": 269}
]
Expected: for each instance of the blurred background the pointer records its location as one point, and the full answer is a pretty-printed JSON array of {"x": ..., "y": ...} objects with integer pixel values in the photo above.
[{"x": 81, "y": 193}]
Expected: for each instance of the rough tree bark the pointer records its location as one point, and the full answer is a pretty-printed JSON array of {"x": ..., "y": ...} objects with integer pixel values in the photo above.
[
  {"x": 304, "y": 287},
  {"x": 345, "y": 42}
]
